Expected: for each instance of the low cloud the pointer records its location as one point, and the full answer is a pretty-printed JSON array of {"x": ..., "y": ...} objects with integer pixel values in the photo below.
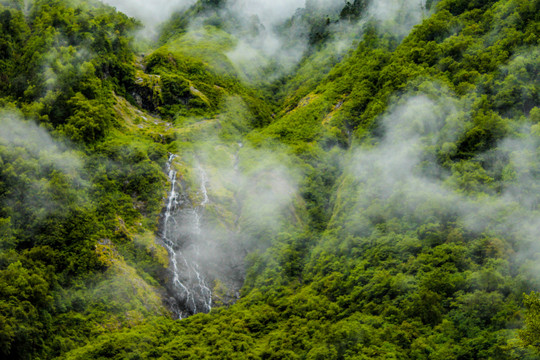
[
  {"x": 273, "y": 36},
  {"x": 232, "y": 199},
  {"x": 48, "y": 176},
  {"x": 151, "y": 13},
  {"x": 496, "y": 194},
  {"x": 38, "y": 144}
]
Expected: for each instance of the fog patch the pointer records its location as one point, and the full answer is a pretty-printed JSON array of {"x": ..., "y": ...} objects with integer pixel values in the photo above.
[
  {"x": 151, "y": 13},
  {"x": 232, "y": 198},
  {"x": 50, "y": 177},
  {"x": 398, "y": 16},
  {"x": 38, "y": 144},
  {"x": 400, "y": 176}
]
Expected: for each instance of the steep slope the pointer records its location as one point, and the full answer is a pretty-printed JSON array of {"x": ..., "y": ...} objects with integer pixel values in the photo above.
[
  {"x": 83, "y": 191},
  {"x": 381, "y": 203}
]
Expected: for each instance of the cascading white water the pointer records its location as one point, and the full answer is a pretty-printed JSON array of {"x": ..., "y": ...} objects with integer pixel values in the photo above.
[
  {"x": 26, "y": 8},
  {"x": 237, "y": 157},
  {"x": 181, "y": 234}
]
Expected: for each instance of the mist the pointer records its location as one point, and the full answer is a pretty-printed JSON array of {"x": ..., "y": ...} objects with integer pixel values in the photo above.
[
  {"x": 150, "y": 13},
  {"x": 282, "y": 50},
  {"x": 270, "y": 13},
  {"x": 273, "y": 37},
  {"x": 50, "y": 177},
  {"x": 231, "y": 199},
  {"x": 251, "y": 201},
  {"x": 398, "y": 16},
  {"x": 38, "y": 144},
  {"x": 400, "y": 176}
]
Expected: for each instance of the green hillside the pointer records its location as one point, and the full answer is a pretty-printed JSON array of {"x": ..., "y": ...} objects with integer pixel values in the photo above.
[{"x": 353, "y": 180}]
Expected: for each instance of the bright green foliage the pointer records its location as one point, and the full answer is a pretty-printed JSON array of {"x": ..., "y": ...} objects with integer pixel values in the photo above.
[
  {"x": 380, "y": 203},
  {"x": 531, "y": 334}
]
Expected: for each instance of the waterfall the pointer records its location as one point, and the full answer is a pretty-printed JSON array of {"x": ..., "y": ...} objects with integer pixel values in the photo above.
[
  {"x": 237, "y": 156},
  {"x": 181, "y": 233},
  {"x": 204, "y": 181},
  {"x": 26, "y": 7}
]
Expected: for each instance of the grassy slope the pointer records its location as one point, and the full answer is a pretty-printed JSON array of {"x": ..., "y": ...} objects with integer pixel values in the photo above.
[
  {"x": 368, "y": 280},
  {"x": 345, "y": 278}
]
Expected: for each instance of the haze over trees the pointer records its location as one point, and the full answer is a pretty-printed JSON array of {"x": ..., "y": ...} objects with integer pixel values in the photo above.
[{"x": 349, "y": 179}]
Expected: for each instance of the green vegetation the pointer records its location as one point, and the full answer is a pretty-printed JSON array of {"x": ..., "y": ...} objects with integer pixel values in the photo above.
[{"x": 373, "y": 203}]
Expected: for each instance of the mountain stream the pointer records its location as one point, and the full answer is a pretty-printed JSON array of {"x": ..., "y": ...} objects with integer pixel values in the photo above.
[{"x": 181, "y": 235}]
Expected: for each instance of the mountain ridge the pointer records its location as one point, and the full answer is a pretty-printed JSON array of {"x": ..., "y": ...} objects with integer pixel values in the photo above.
[{"x": 377, "y": 201}]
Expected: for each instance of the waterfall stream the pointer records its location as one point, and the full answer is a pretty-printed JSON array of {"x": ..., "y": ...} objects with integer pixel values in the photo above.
[
  {"x": 26, "y": 7},
  {"x": 181, "y": 234}
]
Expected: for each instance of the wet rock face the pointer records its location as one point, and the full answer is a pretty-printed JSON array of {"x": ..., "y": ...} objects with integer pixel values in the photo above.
[
  {"x": 181, "y": 234},
  {"x": 144, "y": 99},
  {"x": 147, "y": 92},
  {"x": 153, "y": 91}
]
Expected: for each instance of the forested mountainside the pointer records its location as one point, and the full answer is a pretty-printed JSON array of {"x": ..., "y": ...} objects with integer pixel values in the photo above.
[{"x": 256, "y": 180}]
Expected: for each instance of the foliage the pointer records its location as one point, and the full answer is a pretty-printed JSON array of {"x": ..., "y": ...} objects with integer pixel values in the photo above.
[
  {"x": 365, "y": 257},
  {"x": 531, "y": 333}
]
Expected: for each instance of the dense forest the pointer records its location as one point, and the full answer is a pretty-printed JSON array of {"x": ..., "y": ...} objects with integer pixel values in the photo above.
[{"x": 241, "y": 179}]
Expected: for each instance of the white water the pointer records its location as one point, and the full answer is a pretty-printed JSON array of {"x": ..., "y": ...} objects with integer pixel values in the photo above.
[
  {"x": 181, "y": 234},
  {"x": 237, "y": 157},
  {"x": 204, "y": 181}
]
